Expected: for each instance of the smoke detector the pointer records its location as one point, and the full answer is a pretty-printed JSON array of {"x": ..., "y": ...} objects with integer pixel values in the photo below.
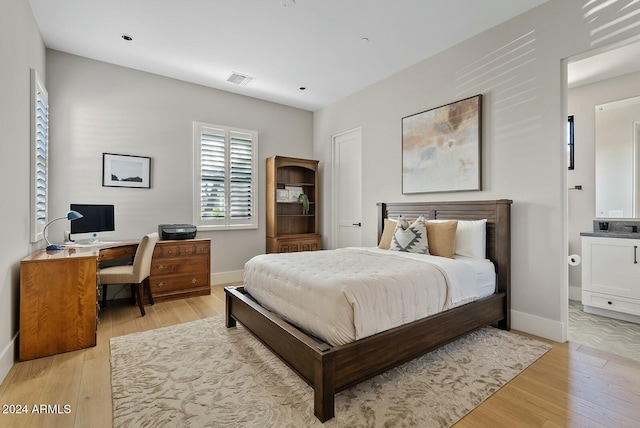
[{"x": 239, "y": 79}]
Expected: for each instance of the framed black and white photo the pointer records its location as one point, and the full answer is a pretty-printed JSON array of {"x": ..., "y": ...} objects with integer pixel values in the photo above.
[{"x": 126, "y": 171}]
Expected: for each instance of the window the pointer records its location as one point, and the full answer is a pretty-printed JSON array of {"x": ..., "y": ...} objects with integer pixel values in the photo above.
[
  {"x": 39, "y": 156},
  {"x": 225, "y": 194},
  {"x": 570, "y": 154}
]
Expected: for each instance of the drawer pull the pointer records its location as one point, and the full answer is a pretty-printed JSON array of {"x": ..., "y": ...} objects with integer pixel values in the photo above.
[
  {"x": 160, "y": 284},
  {"x": 160, "y": 267},
  {"x": 610, "y": 303},
  {"x": 635, "y": 254},
  {"x": 193, "y": 263},
  {"x": 194, "y": 280}
]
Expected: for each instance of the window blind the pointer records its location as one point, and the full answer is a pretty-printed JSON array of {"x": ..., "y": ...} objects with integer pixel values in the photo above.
[
  {"x": 39, "y": 155},
  {"x": 240, "y": 176},
  {"x": 227, "y": 176},
  {"x": 213, "y": 171}
]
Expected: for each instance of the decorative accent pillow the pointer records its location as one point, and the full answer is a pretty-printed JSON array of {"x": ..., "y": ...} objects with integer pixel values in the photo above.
[
  {"x": 410, "y": 238},
  {"x": 387, "y": 234},
  {"x": 442, "y": 238},
  {"x": 471, "y": 238}
]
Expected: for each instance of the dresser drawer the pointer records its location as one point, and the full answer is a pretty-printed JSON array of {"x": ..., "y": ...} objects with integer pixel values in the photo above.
[
  {"x": 202, "y": 248},
  {"x": 174, "y": 250},
  {"x": 173, "y": 283},
  {"x": 117, "y": 252},
  {"x": 612, "y": 303},
  {"x": 171, "y": 266}
]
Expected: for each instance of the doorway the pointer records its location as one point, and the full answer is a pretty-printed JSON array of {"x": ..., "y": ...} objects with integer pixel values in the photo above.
[
  {"x": 594, "y": 78},
  {"x": 347, "y": 189}
]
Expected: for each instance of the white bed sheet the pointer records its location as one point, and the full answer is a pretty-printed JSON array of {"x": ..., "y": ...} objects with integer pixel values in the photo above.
[
  {"x": 485, "y": 272},
  {"x": 344, "y": 295}
]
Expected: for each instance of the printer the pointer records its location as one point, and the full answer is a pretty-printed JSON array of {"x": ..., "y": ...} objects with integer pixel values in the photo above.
[{"x": 177, "y": 231}]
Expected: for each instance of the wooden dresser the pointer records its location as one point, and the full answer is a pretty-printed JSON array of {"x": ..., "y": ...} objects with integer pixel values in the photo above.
[{"x": 181, "y": 269}]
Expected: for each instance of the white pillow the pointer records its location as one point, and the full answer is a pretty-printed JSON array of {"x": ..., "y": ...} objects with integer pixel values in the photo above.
[
  {"x": 471, "y": 238},
  {"x": 410, "y": 238}
]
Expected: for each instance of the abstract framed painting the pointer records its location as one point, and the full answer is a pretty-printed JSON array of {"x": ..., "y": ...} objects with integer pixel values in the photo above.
[
  {"x": 441, "y": 148},
  {"x": 126, "y": 171}
]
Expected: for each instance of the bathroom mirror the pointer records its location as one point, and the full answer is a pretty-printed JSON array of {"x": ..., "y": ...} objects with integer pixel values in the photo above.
[{"x": 617, "y": 154}]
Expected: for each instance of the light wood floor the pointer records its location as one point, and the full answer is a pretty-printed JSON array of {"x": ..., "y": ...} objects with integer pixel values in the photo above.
[{"x": 569, "y": 386}]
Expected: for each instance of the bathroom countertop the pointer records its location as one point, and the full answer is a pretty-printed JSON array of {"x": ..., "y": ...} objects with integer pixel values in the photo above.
[{"x": 612, "y": 234}]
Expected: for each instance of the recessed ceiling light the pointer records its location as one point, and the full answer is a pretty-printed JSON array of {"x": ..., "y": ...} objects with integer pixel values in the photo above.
[
  {"x": 288, "y": 3},
  {"x": 126, "y": 37}
]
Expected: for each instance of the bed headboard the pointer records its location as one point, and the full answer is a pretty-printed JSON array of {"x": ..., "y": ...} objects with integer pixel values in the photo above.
[{"x": 498, "y": 215}]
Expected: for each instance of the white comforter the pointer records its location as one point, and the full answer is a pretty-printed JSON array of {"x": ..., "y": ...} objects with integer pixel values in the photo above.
[{"x": 347, "y": 294}]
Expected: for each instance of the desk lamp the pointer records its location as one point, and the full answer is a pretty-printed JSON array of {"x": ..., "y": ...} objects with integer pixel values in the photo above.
[{"x": 71, "y": 215}]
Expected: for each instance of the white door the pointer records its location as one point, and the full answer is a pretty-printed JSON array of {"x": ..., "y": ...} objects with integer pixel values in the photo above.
[{"x": 347, "y": 189}]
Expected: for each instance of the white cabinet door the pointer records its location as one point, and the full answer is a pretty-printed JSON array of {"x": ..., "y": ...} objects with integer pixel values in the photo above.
[{"x": 611, "y": 266}]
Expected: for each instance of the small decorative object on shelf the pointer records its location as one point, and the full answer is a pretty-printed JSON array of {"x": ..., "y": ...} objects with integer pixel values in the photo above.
[
  {"x": 294, "y": 193},
  {"x": 305, "y": 203}
]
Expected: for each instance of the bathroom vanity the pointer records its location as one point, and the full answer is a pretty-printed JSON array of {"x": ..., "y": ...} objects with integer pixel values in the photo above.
[{"x": 611, "y": 271}]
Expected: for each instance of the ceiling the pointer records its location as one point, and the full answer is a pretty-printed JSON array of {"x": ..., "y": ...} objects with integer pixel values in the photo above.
[
  {"x": 605, "y": 65},
  {"x": 332, "y": 48}
]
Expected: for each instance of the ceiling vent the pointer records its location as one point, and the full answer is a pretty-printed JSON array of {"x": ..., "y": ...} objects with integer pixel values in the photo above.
[{"x": 239, "y": 79}]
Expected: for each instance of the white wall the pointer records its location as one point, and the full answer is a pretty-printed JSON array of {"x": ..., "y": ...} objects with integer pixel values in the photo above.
[
  {"x": 582, "y": 207},
  {"x": 21, "y": 48},
  {"x": 517, "y": 66},
  {"x": 98, "y": 107}
]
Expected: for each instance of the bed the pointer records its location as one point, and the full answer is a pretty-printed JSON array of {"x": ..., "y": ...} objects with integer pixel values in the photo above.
[{"x": 329, "y": 369}]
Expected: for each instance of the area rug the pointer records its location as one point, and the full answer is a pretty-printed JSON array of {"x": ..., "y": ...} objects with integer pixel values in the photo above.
[{"x": 201, "y": 374}]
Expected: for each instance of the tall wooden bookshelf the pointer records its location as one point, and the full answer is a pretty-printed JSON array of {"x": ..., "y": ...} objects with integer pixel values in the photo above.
[{"x": 289, "y": 228}]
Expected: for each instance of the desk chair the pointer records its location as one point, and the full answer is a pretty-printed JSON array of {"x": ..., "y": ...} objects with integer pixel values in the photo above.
[{"x": 136, "y": 274}]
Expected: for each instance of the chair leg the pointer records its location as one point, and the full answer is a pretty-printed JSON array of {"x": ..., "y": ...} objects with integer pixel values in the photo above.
[
  {"x": 133, "y": 294},
  {"x": 139, "y": 297},
  {"x": 147, "y": 286},
  {"x": 104, "y": 296}
]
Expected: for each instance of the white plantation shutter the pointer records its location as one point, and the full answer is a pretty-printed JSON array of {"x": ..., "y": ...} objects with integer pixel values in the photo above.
[
  {"x": 240, "y": 176},
  {"x": 225, "y": 177},
  {"x": 212, "y": 182},
  {"x": 40, "y": 156}
]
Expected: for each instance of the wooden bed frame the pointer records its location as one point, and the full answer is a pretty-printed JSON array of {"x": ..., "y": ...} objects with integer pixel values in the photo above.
[{"x": 330, "y": 369}]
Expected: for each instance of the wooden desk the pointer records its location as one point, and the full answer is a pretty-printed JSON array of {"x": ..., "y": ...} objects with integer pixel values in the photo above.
[
  {"x": 59, "y": 290},
  {"x": 58, "y": 302}
]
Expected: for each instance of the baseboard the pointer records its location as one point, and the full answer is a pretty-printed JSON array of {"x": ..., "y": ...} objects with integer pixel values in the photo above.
[
  {"x": 7, "y": 357},
  {"x": 220, "y": 278},
  {"x": 575, "y": 293},
  {"x": 612, "y": 314},
  {"x": 538, "y": 326}
]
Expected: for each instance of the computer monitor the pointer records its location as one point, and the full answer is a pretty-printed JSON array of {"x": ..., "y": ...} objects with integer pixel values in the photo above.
[{"x": 95, "y": 218}]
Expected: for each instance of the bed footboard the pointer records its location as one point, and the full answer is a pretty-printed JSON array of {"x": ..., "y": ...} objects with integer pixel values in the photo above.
[
  {"x": 311, "y": 359},
  {"x": 329, "y": 370}
]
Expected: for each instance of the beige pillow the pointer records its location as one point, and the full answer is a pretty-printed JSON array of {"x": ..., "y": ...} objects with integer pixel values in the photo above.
[
  {"x": 442, "y": 238},
  {"x": 387, "y": 234}
]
